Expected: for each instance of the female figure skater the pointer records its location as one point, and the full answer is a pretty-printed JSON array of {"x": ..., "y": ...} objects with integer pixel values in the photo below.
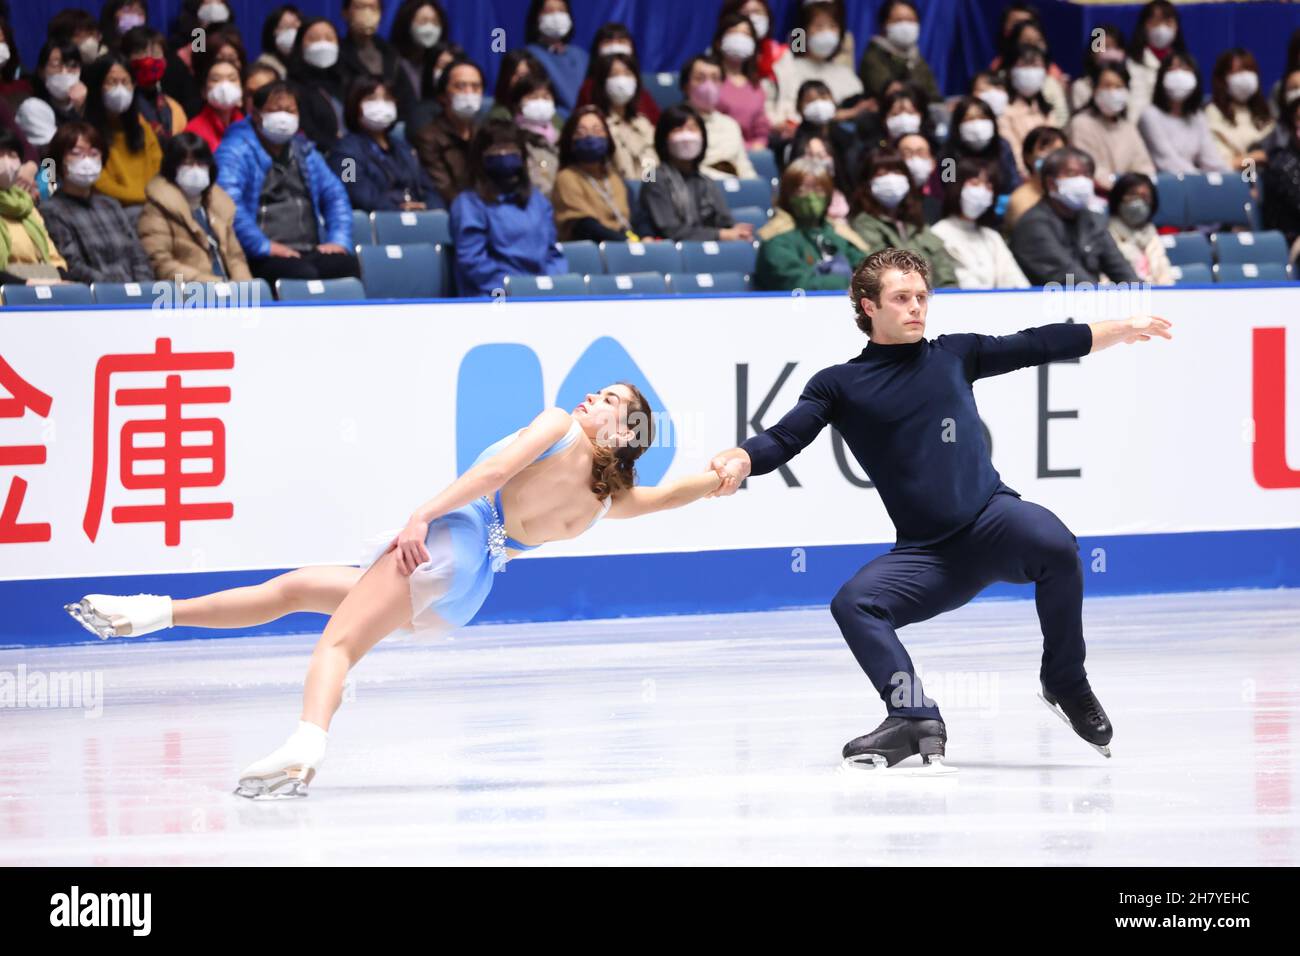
[{"x": 551, "y": 480}]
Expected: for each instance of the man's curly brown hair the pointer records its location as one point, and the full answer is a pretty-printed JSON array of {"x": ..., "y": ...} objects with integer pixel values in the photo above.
[{"x": 866, "y": 277}]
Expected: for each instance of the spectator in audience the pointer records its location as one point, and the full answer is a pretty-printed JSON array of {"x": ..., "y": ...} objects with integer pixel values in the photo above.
[
  {"x": 1282, "y": 181},
  {"x": 1159, "y": 33},
  {"x": 1291, "y": 65},
  {"x": 817, "y": 152},
  {"x": 292, "y": 214},
  {"x": 680, "y": 203},
  {"x": 418, "y": 27},
  {"x": 980, "y": 255},
  {"x": 893, "y": 53},
  {"x": 314, "y": 69},
  {"x": 224, "y": 96},
  {"x": 590, "y": 197},
  {"x": 1288, "y": 91},
  {"x": 614, "y": 39},
  {"x": 1061, "y": 239},
  {"x": 1039, "y": 144},
  {"x": 616, "y": 93},
  {"x": 701, "y": 81},
  {"x": 145, "y": 49},
  {"x": 1110, "y": 49},
  {"x": 742, "y": 96},
  {"x": 1028, "y": 106},
  {"x": 256, "y": 77},
  {"x": 14, "y": 83},
  {"x": 118, "y": 16},
  {"x": 57, "y": 83},
  {"x": 549, "y": 32},
  {"x": 214, "y": 21},
  {"x": 1238, "y": 114},
  {"x": 1133, "y": 201},
  {"x": 516, "y": 65},
  {"x": 187, "y": 227},
  {"x": 363, "y": 52},
  {"x": 279, "y": 30},
  {"x": 803, "y": 249},
  {"x": 824, "y": 29},
  {"x": 531, "y": 105},
  {"x": 134, "y": 154},
  {"x": 90, "y": 229},
  {"x": 27, "y": 254},
  {"x": 903, "y": 112},
  {"x": 501, "y": 225},
  {"x": 379, "y": 170},
  {"x": 78, "y": 27},
  {"x": 816, "y": 110},
  {"x": 973, "y": 133},
  {"x": 919, "y": 157},
  {"x": 770, "y": 50},
  {"x": 223, "y": 46},
  {"x": 443, "y": 143},
  {"x": 1174, "y": 125},
  {"x": 991, "y": 87},
  {"x": 1028, "y": 82},
  {"x": 1103, "y": 130},
  {"x": 887, "y": 214},
  {"x": 1013, "y": 14},
  {"x": 438, "y": 59}
]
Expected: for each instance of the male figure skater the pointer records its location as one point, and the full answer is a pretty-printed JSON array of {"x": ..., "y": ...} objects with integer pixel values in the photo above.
[{"x": 906, "y": 409}]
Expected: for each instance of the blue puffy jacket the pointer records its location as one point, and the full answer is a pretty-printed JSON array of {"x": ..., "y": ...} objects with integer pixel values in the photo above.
[{"x": 242, "y": 163}]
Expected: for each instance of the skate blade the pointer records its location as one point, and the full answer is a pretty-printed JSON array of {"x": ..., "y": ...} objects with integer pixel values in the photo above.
[
  {"x": 282, "y": 786},
  {"x": 1102, "y": 749},
  {"x": 84, "y": 613},
  {"x": 874, "y": 765}
]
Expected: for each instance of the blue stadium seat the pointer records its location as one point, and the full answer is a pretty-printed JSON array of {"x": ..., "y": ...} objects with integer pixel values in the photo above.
[
  {"x": 684, "y": 283},
  {"x": 1192, "y": 273},
  {"x": 633, "y": 192},
  {"x": 1173, "y": 200},
  {"x": 348, "y": 289},
  {"x": 403, "y": 228},
  {"x": 754, "y": 215},
  {"x": 1256, "y": 247},
  {"x": 544, "y": 287},
  {"x": 662, "y": 87},
  {"x": 224, "y": 295},
  {"x": 127, "y": 293},
  {"x": 68, "y": 294},
  {"x": 1244, "y": 273},
  {"x": 1187, "y": 248},
  {"x": 1218, "y": 198},
  {"x": 764, "y": 164},
  {"x": 747, "y": 192},
  {"x": 363, "y": 233},
  {"x": 417, "y": 271},
  {"x": 641, "y": 257},
  {"x": 634, "y": 283},
  {"x": 725, "y": 256},
  {"x": 583, "y": 256}
]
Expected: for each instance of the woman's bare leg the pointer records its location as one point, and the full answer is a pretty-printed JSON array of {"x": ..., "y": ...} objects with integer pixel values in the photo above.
[{"x": 319, "y": 589}]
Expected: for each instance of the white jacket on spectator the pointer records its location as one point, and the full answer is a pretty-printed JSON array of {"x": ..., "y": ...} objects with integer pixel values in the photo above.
[
  {"x": 1144, "y": 250},
  {"x": 726, "y": 145},
  {"x": 981, "y": 255},
  {"x": 1180, "y": 144}
]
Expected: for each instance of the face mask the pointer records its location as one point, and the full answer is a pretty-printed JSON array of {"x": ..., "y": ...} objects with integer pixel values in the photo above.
[
  {"x": 1179, "y": 84},
  {"x": 322, "y": 54},
  {"x": 89, "y": 50},
  {"x": 1242, "y": 85},
  {"x": 9, "y": 167},
  {"x": 555, "y": 25},
  {"x": 890, "y": 189},
  {"x": 996, "y": 98},
  {"x": 118, "y": 98},
  {"x": 426, "y": 34},
  {"x": 284, "y": 40},
  {"x": 503, "y": 168},
  {"x": 1028, "y": 80},
  {"x": 739, "y": 46},
  {"x": 538, "y": 110},
  {"x": 819, "y": 111},
  {"x": 704, "y": 95},
  {"x": 192, "y": 180},
  {"x": 1135, "y": 213},
  {"x": 1160, "y": 36},
  {"x": 976, "y": 133},
  {"x": 1074, "y": 192},
  {"x": 4, "y": 53},
  {"x": 129, "y": 21},
  {"x": 213, "y": 13},
  {"x": 364, "y": 22},
  {"x": 279, "y": 127},
  {"x": 975, "y": 200},
  {"x": 225, "y": 94},
  {"x": 466, "y": 105},
  {"x": 1112, "y": 101},
  {"x": 148, "y": 70},
  {"x": 808, "y": 208},
  {"x": 61, "y": 84},
  {"x": 1292, "y": 95},
  {"x": 903, "y": 33},
  {"x": 824, "y": 43},
  {"x": 378, "y": 115},
  {"x": 900, "y": 124},
  {"x": 920, "y": 168},
  {"x": 590, "y": 149},
  {"x": 83, "y": 172},
  {"x": 761, "y": 24},
  {"x": 620, "y": 89},
  {"x": 609, "y": 49},
  {"x": 685, "y": 146}
]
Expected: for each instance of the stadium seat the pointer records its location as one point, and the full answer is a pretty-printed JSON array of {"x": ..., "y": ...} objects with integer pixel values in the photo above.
[
  {"x": 1173, "y": 200},
  {"x": 724, "y": 256},
  {"x": 544, "y": 287},
  {"x": 634, "y": 283},
  {"x": 764, "y": 164},
  {"x": 1192, "y": 273},
  {"x": 1244, "y": 273},
  {"x": 641, "y": 257},
  {"x": 684, "y": 283},
  {"x": 219, "y": 295},
  {"x": 1218, "y": 198},
  {"x": 747, "y": 192},
  {"x": 126, "y": 293},
  {"x": 583, "y": 256},
  {"x": 754, "y": 215},
  {"x": 403, "y": 228},
  {"x": 363, "y": 233},
  {"x": 416, "y": 271},
  {"x": 348, "y": 289},
  {"x": 67, "y": 294},
  {"x": 1257, "y": 247},
  {"x": 662, "y": 87},
  {"x": 1187, "y": 248}
]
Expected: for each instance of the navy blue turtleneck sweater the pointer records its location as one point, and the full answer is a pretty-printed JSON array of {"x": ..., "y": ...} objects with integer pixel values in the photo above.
[{"x": 907, "y": 412}]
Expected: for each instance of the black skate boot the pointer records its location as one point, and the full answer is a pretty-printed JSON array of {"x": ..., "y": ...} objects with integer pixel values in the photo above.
[
  {"x": 1083, "y": 712},
  {"x": 897, "y": 739}
]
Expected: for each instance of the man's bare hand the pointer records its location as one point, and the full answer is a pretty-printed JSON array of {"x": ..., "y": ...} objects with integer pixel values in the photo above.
[
  {"x": 1137, "y": 328},
  {"x": 732, "y": 467}
]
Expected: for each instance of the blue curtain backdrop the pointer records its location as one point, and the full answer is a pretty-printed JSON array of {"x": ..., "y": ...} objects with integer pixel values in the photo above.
[{"x": 957, "y": 36}]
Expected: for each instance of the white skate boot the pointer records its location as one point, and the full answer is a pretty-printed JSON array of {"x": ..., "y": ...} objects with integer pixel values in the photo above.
[
  {"x": 111, "y": 615},
  {"x": 288, "y": 770}
]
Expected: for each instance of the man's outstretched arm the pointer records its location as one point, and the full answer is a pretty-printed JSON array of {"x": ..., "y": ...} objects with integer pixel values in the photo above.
[{"x": 987, "y": 355}]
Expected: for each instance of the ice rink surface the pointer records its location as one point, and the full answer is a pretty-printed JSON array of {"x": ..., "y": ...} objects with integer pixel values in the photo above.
[{"x": 690, "y": 740}]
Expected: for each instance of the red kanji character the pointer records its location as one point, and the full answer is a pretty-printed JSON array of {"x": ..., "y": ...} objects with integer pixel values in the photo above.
[
  {"x": 23, "y": 396},
  {"x": 173, "y": 478}
]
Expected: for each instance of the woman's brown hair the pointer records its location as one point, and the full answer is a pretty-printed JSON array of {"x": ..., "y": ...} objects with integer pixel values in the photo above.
[{"x": 614, "y": 469}]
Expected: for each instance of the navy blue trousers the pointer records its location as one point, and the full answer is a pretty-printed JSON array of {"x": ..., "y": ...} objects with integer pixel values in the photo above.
[{"x": 1011, "y": 540}]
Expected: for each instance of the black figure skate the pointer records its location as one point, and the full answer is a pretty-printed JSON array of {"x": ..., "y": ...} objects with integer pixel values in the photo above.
[
  {"x": 894, "y": 741},
  {"x": 1083, "y": 712}
]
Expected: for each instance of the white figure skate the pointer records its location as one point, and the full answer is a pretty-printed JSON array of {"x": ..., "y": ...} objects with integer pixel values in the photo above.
[
  {"x": 288, "y": 770},
  {"x": 111, "y": 615}
]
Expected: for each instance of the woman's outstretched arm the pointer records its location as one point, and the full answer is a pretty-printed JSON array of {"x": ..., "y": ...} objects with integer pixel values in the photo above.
[{"x": 673, "y": 494}]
